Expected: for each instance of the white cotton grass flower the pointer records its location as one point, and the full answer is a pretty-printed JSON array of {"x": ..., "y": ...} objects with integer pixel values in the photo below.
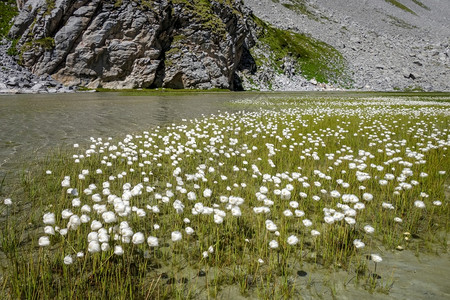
[
  {"x": 189, "y": 230},
  {"x": 292, "y": 240},
  {"x": 383, "y": 182},
  {"x": 176, "y": 236},
  {"x": 236, "y": 211},
  {"x": 315, "y": 232},
  {"x": 263, "y": 190},
  {"x": 96, "y": 198},
  {"x": 271, "y": 226},
  {"x": 7, "y": 201},
  {"x": 358, "y": 244},
  {"x": 92, "y": 236},
  {"x": 74, "y": 222},
  {"x": 285, "y": 194},
  {"x": 328, "y": 219},
  {"x": 94, "y": 247},
  {"x": 96, "y": 225},
  {"x": 335, "y": 194},
  {"x": 350, "y": 221},
  {"x": 293, "y": 204},
  {"x": 85, "y": 209},
  {"x": 85, "y": 219},
  {"x": 260, "y": 261},
  {"x": 76, "y": 202},
  {"x": 118, "y": 250},
  {"x": 419, "y": 204},
  {"x": 44, "y": 241},
  {"x": 218, "y": 219},
  {"x": 288, "y": 213},
  {"x": 359, "y": 206},
  {"x": 205, "y": 254},
  {"x": 437, "y": 203},
  {"x": 48, "y": 172},
  {"x": 105, "y": 247},
  {"x": 138, "y": 238},
  {"x": 369, "y": 229},
  {"x": 49, "y": 230},
  {"x": 66, "y": 213},
  {"x": 398, "y": 220},
  {"x": 299, "y": 213},
  {"x": 367, "y": 197},
  {"x": 191, "y": 196},
  {"x": 387, "y": 205},
  {"x": 207, "y": 193},
  {"x": 273, "y": 244},
  {"x": 376, "y": 258},
  {"x": 307, "y": 222},
  {"x": 68, "y": 260},
  {"x": 152, "y": 241},
  {"x": 66, "y": 181},
  {"x": 49, "y": 218}
]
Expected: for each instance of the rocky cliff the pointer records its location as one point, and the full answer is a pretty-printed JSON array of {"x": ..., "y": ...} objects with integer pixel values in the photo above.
[{"x": 134, "y": 44}]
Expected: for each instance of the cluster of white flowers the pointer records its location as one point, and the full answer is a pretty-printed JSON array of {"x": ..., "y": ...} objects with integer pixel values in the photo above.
[{"x": 233, "y": 179}]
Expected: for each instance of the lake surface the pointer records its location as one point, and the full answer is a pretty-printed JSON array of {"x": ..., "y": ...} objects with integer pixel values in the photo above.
[{"x": 30, "y": 125}]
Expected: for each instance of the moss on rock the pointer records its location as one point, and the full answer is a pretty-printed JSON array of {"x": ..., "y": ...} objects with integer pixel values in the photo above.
[{"x": 315, "y": 59}]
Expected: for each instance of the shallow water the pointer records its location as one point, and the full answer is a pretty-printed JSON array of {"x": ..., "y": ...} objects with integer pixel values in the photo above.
[{"x": 32, "y": 124}]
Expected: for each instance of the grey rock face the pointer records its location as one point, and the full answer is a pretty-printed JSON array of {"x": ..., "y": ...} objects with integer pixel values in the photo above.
[
  {"x": 129, "y": 44},
  {"x": 15, "y": 79}
]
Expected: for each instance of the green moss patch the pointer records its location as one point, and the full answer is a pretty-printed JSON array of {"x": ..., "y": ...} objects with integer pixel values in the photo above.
[
  {"x": 316, "y": 59},
  {"x": 421, "y": 4},
  {"x": 401, "y": 6},
  {"x": 8, "y": 11},
  {"x": 202, "y": 12},
  {"x": 300, "y": 7},
  {"x": 400, "y": 23}
]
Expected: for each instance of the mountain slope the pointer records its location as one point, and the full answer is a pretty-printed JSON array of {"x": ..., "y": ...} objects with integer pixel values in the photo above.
[
  {"x": 263, "y": 45},
  {"x": 389, "y": 45}
]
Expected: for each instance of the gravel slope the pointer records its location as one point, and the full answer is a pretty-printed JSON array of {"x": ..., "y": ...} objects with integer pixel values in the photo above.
[{"x": 387, "y": 47}]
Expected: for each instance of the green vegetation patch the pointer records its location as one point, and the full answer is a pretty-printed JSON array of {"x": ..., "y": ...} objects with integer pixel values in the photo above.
[
  {"x": 399, "y": 22},
  {"x": 202, "y": 12},
  {"x": 316, "y": 59},
  {"x": 299, "y": 6},
  {"x": 8, "y": 11},
  {"x": 421, "y": 4},
  {"x": 401, "y": 6}
]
